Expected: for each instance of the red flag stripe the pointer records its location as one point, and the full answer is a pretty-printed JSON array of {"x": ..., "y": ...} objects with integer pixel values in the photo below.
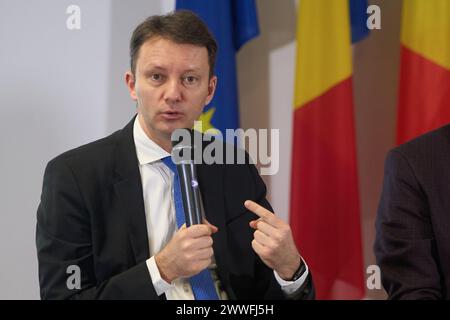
[{"x": 324, "y": 191}]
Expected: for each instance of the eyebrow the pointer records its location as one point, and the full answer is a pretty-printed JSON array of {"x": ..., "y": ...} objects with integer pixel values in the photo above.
[
  {"x": 193, "y": 70},
  {"x": 151, "y": 67}
]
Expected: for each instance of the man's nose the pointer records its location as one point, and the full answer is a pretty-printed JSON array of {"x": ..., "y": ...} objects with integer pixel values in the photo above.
[{"x": 173, "y": 92}]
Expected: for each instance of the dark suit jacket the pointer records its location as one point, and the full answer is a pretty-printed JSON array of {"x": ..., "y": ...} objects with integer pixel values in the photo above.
[
  {"x": 92, "y": 215},
  {"x": 413, "y": 225}
]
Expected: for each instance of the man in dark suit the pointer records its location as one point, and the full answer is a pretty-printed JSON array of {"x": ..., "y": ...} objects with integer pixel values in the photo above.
[
  {"x": 413, "y": 224},
  {"x": 109, "y": 210}
]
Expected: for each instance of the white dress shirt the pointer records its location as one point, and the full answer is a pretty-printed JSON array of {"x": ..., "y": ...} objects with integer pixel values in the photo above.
[{"x": 160, "y": 216}]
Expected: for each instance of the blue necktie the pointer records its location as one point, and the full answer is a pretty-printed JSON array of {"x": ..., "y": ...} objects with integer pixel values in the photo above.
[{"x": 202, "y": 283}]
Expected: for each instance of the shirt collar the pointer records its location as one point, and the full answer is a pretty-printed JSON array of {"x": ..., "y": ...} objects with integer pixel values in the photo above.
[{"x": 147, "y": 150}]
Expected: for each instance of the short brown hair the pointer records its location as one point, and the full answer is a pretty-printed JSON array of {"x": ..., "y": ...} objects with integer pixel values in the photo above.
[{"x": 183, "y": 27}]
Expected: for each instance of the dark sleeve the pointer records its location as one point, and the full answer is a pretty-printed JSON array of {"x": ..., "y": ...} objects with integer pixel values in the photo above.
[
  {"x": 405, "y": 247},
  {"x": 63, "y": 239},
  {"x": 306, "y": 291}
]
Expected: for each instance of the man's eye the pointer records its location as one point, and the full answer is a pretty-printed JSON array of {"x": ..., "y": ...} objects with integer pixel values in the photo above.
[
  {"x": 156, "y": 77},
  {"x": 190, "y": 79}
]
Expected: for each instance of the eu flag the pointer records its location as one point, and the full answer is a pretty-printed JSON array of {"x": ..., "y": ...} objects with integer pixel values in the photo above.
[
  {"x": 358, "y": 17},
  {"x": 233, "y": 23}
]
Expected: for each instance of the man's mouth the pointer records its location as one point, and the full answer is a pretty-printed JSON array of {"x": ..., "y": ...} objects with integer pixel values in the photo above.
[{"x": 171, "y": 115}]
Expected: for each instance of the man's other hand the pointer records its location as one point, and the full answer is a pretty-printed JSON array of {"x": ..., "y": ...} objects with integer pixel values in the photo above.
[{"x": 273, "y": 241}]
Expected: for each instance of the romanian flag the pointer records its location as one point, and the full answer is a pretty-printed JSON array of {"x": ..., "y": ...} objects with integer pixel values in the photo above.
[
  {"x": 233, "y": 23},
  {"x": 424, "y": 94},
  {"x": 325, "y": 214}
]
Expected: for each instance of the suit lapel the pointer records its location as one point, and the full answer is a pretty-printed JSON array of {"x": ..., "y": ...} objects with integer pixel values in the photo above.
[{"x": 128, "y": 189}]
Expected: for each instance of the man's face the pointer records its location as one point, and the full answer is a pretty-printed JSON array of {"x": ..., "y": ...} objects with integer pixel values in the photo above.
[{"x": 171, "y": 86}]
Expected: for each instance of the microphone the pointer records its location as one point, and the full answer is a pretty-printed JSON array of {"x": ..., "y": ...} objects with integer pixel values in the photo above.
[{"x": 192, "y": 200}]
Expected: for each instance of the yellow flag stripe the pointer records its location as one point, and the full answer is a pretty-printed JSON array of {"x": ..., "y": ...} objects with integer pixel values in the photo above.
[
  {"x": 426, "y": 29},
  {"x": 323, "y": 48}
]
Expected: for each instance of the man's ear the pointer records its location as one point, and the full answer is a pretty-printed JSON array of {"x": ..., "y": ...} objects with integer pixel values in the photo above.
[
  {"x": 211, "y": 89},
  {"x": 131, "y": 84}
]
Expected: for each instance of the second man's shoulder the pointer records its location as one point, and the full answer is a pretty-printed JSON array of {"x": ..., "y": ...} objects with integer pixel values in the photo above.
[
  {"x": 425, "y": 146},
  {"x": 425, "y": 155}
]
